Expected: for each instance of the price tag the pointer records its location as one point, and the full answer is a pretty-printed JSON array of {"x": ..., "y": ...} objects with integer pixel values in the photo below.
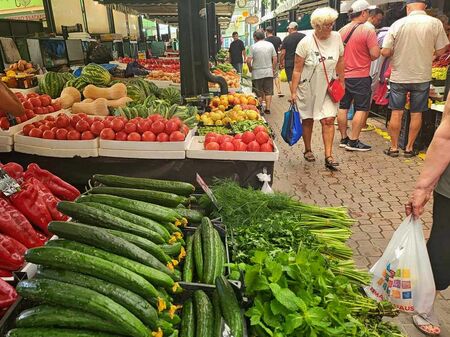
[
  {"x": 7, "y": 184},
  {"x": 207, "y": 190}
]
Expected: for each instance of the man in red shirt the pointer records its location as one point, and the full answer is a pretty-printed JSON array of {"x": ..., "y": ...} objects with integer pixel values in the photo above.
[{"x": 361, "y": 48}]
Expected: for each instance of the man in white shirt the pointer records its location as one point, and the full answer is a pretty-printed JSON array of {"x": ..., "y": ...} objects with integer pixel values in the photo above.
[{"x": 411, "y": 42}]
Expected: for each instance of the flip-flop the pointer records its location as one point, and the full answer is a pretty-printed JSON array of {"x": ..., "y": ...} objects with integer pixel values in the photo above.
[
  {"x": 280, "y": 95},
  {"x": 309, "y": 156},
  {"x": 409, "y": 154},
  {"x": 391, "y": 153},
  {"x": 422, "y": 322}
]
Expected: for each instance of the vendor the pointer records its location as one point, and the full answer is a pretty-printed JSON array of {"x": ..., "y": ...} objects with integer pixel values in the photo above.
[{"x": 9, "y": 102}]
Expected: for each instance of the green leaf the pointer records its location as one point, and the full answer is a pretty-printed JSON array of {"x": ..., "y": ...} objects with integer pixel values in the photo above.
[
  {"x": 293, "y": 321},
  {"x": 276, "y": 307},
  {"x": 269, "y": 318},
  {"x": 287, "y": 298},
  {"x": 276, "y": 269},
  {"x": 259, "y": 257},
  {"x": 254, "y": 281}
]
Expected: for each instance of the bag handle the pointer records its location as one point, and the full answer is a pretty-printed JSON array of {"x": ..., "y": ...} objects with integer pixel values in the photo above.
[
  {"x": 321, "y": 59},
  {"x": 350, "y": 34}
]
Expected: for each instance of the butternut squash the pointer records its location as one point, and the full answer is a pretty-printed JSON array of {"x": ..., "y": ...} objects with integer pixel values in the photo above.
[
  {"x": 97, "y": 107},
  {"x": 87, "y": 100},
  {"x": 69, "y": 96},
  {"x": 116, "y": 91},
  {"x": 119, "y": 103}
]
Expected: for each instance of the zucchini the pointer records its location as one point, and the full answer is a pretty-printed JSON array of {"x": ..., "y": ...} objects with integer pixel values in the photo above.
[
  {"x": 152, "y": 275},
  {"x": 126, "y": 298},
  {"x": 98, "y": 218},
  {"x": 155, "y": 197},
  {"x": 54, "y": 292},
  {"x": 188, "y": 268},
  {"x": 173, "y": 249},
  {"x": 209, "y": 251},
  {"x": 100, "y": 238},
  {"x": 134, "y": 218},
  {"x": 218, "y": 320},
  {"x": 75, "y": 261},
  {"x": 59, "y": 317},
  {"x": 198, "y": 254},
  {"x": 176, "y": 187},
  {"x": 230, "y": 307},
  {"x": 220, "y": 256},
  {"x": 188, "y": 320},
  {"x": 192, "y": 215},
  {"x": 158, "y": 213},
  {"x": 203, "y": 314},
  {"x": 53, "y": 332}
]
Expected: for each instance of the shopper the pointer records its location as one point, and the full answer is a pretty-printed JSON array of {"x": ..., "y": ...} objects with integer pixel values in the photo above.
[
  {"x": 411, "y": 42},
  {"x": 9, "y": 102},
  {"x": 376, "y": 16},
  {"x": 237, "y": 52},
  {"x": 322, "y": 49},
  {"x": 288, "y": 49},
  {"x": 435, "y": 176},
  {"x": 276, "y": 41},
  {"x": 361, "y": 48},
  {"x": 262, "y": 62}
]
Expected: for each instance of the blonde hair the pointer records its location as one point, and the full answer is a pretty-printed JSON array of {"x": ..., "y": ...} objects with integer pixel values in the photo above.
[{"x": 322, "y": 16}]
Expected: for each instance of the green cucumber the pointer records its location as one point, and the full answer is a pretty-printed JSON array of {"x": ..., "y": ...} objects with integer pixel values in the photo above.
[
  {"x": 158, "y": 213},
  {"x": 134, "y": 218},
  {"x": 126, "y": 298},
  {"x": 75, "y": 261},
  {"x": 173, "y": 249},
  {"x": 218, "y": 320},
  {"x": 154, "y": 276},
  {"x": 155, "y": 197},
  {"x": 203, "y": 314},
  {"x": 192, "y": 215},
  {"x": 220, "y": 256},
  {"x": 230, "y": 307},
  {"x": 53, "y": 332},
  {"x": 98, "y": 218},
  {"x": 198, "y": 254},
  {"x": 209, "y": 251},
  {"x": 59, "y": 317},
  {"x": 54, "y": 292},
  {"x": 100, "y": 238},
  {"x": 188, "y": 268},
  {"x": 176, "y": 187},
  {"x": 174, "y": 320},
  {"x": 188, "y": 320}
]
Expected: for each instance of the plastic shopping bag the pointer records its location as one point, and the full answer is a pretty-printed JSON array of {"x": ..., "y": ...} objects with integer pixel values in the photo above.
[
  {"x": 292, "y": 129},
  {"x": 403, "y": 274},
  {"x": 265, "y": 179},
  {"x": 245, "y": 69},
  {"x": 283, "y": 76}
]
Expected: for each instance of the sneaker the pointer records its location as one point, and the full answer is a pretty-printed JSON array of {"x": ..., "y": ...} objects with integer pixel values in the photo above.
[
  {"x": 344, "y": 142},
  {"x": 357, "y": 145}
]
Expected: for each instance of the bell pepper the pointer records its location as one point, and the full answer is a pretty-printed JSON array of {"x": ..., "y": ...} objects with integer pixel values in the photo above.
[
  {"x": 14, "y": 170},
  {"x": 11, "y": 253},
  {"x": 8, "y": 295},
  {"x": 15, "y": 224},
  {"x": 55, "y": 184},
  {"x": 30, "y": 203},
  {"x": 5, "y": 273}
]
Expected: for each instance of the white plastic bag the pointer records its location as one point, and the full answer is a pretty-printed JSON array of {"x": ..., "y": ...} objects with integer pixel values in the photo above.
[
  {"x": 403, "y": 274},
  {"x": 264, "y": 177}
]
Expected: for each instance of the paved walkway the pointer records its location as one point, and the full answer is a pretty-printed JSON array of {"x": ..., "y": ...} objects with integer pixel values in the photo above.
[{"x": 373, "y": 186}]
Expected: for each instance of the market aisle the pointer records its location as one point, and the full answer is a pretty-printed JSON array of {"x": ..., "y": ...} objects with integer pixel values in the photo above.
[{"x": 373, "y": 187}]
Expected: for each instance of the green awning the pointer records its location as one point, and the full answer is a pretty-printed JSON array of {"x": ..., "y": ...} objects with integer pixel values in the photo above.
[
  {"x": 282, "y": 26},
  {"x": 305, "y": 22}
]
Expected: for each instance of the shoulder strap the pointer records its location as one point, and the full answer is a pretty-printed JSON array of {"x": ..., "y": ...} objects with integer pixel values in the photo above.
[
  {"x": 351, "y": 33},
  {"x": 321, "y": 59}
]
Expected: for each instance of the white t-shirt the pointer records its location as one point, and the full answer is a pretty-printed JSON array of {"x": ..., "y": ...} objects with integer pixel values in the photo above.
[
  {"x": 414, "y": 39},
  {"x": 262, "y": 53}
]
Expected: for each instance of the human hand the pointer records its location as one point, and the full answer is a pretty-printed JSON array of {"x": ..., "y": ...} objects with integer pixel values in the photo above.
[
  {"x": 417, "y": 202},
  {"x": 293, "y": 98}
]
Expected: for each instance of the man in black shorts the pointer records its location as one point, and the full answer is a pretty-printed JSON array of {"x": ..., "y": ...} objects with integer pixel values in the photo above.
[
  {"x": 287, "y": 55},
  {"x": 276, "y": 41},
  {"x": 237, "y": 52}
]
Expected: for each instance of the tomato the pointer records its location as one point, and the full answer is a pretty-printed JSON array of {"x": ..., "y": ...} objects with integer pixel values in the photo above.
[
  {"x": 82, "y": 115},
  {"x": 31, "y": 94},
  {"x": 29, "y": 113},
  {"x": 134, "y": 137},
  {"x": 4, "y": 123},
  {"x": 48, "y": 134},
  {"x": 108, "y": 134},
  {"x": 241, "y": 146},
  {"x": 99, "y": 119},
  {"x": 248, "y": 137},
  {"x": 21, "y": 119},
  {"x": 82, "y": 125},
  {"x": 56, "y": 106},
  {"x": 45, "y": 101},
  {"x": 50, "y": 118},
  {"x": 177, "y": 120},
  {"x": 54, "y": 129},
  {"x": 137, "y": 120},
  {"x": 236, "y": 142},
  {"x": 110, "y": 118},
  {"x": 18, "y": 94},
  {"x": 176, "y": 136},
  {"x": 162, "y": 137},
  {"x": 35, "y": 132},
  {"x": 148, "y": 136},
  {"x": 61, "y": 134},
  {"x": 155, "y": 117},
  {"x": 253, "y": 146},
  {"x": 50, "y": 109},
  {"x": 50, "y": 124},
  {"x": 121, "y": 135},
  {"x": 37, "y": 111},
  {"x": 212, "y": 146},
  {"x": 262, "y": 137},
  {"x": 26, "y": 129},
  {"x": 210, "y": 139},
  {"x": 74, "y": 120},
  {"x": 107, "y": 124},
  {"x": 130, "y": 127},
  {"x": 97, "y": 127},
  {"x": 171, "y": 126},
  {"x": 27, "y": 105},
  {"x": 211, "y": 134},
  {"x": 143, "y": 126},
  {"x": 73, "y": 135},
  {"x": 44, "y": 128},
  {"x": 185, "y": 129},
  {"x": 35, "y": 102},
  {"x": 259, "y": 128},
  {"x": 117, "y": 124},
  {"x": 266, "y": 147},
  {"x": 47, "y": 97},
  {"x": 89, "y": 120},
  {"x": 62, "y": 121},
  {"x": 227, "y": 146},
  {"x": 87, "y": 135},
  {"x": 238, "y": 136},
  {"x": 37, "y": 124},
  {"x": 157, "y": 127}
]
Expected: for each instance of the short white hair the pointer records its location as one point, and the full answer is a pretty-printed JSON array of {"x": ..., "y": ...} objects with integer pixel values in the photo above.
[{"x": 323, "y": 15}]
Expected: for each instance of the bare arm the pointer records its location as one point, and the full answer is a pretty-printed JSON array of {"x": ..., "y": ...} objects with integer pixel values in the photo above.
[
  {"x": 9, "y": 102},
  {"x": 296, "y": 76},
  {"x": 387, "y": 52},
  {"x": 282, "y": 55},
  {"x": 249, "y": 63},
  {"x": 374, "y": 53},
  {"x": 340, "y": 70},
  {"x": 274, "y": 63},
  {"x": 244, "y": 56}
]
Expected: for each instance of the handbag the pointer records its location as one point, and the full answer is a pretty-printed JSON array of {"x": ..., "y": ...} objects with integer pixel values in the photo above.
[
  {"x": 334, "y": 88},
  {"x": 292, "y": 129}
]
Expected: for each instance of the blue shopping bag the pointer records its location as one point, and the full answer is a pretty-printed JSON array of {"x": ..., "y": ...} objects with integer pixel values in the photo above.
[{"x": 292, "y": 129}]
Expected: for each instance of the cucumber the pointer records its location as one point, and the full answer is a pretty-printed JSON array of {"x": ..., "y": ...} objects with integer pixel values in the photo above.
[
  {"x": 203, "y": 314},
  {"x": 198, "y": 254},
  {"x": 53, "y": 332},
  {"x": 98, "y": 218},
  {"x": 209, "y": 251},
  {"x": 175, "y": 320},
  {"x": 54, "y": 292},
  {"x": 59, "y": 317},
  {"x": 192, "y": 215},
  {"x": 188, "y": 320},
  {"x": 155, "y": 197},
  {"x": 100, "y": 238},
  {"x": 128, "y": 299},
  {"x": 143, "y": 243},
  {"x": 220, "y": 256},
  {"x": 134, "y": 218},
  {"x": 230, "y": 307},
  {"x": 152, "y": 275},
  {"x": 72, "y": 260},
  {"x": 218, "y": 320},
  {"x": 176, "y": 187},
  {"x": 152, "y": 211},
  {"x": 173, "y": 249},
  {"x": 188, "y": 268}
]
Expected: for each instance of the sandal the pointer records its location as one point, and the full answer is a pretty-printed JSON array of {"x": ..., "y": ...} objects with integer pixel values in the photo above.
[
  {"x": 331, "y": 164},
  {"x": 267, "y": 112},
  {"x": 426, "y": 326},
  {"x": 391, "y": 153},
  {"x": 409, "y": 154},
  {"x": 280, "y": 94},
  {"x": 309, "y": 156}
]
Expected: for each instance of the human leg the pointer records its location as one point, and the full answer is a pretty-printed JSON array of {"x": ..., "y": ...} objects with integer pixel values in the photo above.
[
  {"x": 328, "y": 137},
  {"x": 307, "y": 125},
  {"x": 419, "y": 93},
  {"x": 268, "y": 92},
  {"x": 344, "y": 106},
  {"x": 414, "y": 127},
  {"x": 394, "y": 127},
  {"x": 397, "y": 101}
]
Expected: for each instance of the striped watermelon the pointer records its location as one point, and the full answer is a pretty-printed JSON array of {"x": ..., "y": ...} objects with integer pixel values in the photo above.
[
  {"x": 171, "y": 95},
  {"x": 153, "y": 88},
  {"x": 96, "y": 74},
  {"x": 67, "y": 76},
  {"x": 143, "y": 84},
  {"x": 78, "y": 83},
  {"x": 135, "y": 93},
  {"x": 52, "y": 84}
]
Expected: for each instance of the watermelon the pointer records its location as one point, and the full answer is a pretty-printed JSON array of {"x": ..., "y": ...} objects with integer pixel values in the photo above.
[
  {"x": 67, "y": 76},
  {"x": 135, "y": 93},
  {"x": 96, "y": 74},
  {"x": 145, "y": 85},
  {"x": 78, "y": 83},
  {"x": 153, "y": 88},
  {"x": 114, "y": 82},
  {"x": 52, "y": 84},
  {"x": 171, "y": 95}
]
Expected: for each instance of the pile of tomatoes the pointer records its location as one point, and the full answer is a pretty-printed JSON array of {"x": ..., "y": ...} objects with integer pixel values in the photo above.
[{"x": 257, "y": 140}]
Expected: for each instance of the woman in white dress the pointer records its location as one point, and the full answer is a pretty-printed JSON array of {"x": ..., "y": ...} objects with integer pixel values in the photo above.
[{"x": 309, "y": 84}]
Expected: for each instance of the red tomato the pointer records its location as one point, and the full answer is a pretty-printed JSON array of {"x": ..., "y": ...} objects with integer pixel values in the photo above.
[
  {"x": 62, "y": 121},
  {"x": 50, "y": 118},
  {"x": 212, "y": 146},
  {"x": 253, "y": 146},
  {"x": 37, "y": 133},
  {"x": 35, "y": 102},
  {"x": 82, "y": 115},
  {"x": 38, "y": 111},
  {"x": 21, "y": 119},
  {"x": 171, "y": 126},
  {"x": 86, "y": 135},
  {"x": 99, "y": 119},
  {"x": 130, "y": 127},
  {"x": 248, "y": 137},
  {"x": 227, "y": 146},
  {"x": 97, "y": 127},
  {"x": 73, "y": 135},
  {"x": 137, "y": 120},
  {"x": 259, "y": 128},
  {"x": 56, "y": 106},
  {"x": 45, "y": 101},
  {"x": 210, "y": 139},
  {"x": 110, "y": 118},
  {"x": 47, "y": 96},
  {"x": 185, "y": 129},
  {"x": 162, "y": 137},
  {"x": 89, "y": 120},
  {"x": 4, "y": 123},
  {"x": 30, "y": 113},
  {"x": 236, "y": 142},
  {"x": 107, "y": 123},
  {"x": 134, "y": 137},
  {"x": 177, "y": 120},
  {"x": 148, "y": 136},
  {"x": 82, "y": 125},
  {"x": 18, "y": 94},
  {"x": 117, "y": 124},
  {"x": 266, "y": 147},
  {"x": 48, "y": 134},
  {"x": 241, "y": 146},
  {"x": 155, "y": 117},
  {"x": 157, "y": 127},
  {"x": 54, "y": 129},
  {"x": 108, "y": 134},
  {"x": 31, "y": 94},
  {"x": 74, "y": 120},
  {"x": 50, "y": 124},
  {"x": 143, "y": 126},
  {"x": 44, "y": 127},
  {"x": 262, "y": 137},
  {"x": 61, "y": 134},
  {"x": 211, "y": 134},
  {"x": 37, "y": 124},
  {"x": 121, "y": 135},
  {"x": 26, "y": 129},
  {"x": 50, "y": 109},
  {"x": 27, "y": 105},
  {"x": 176, "y": 136},
  {"x": 238, "y": 136}
]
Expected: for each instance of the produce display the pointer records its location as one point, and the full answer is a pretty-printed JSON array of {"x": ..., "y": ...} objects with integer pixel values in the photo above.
[
  {"x": 8, "y": 296},
  {"x": 257, "y": 140},
  {"x": 233, "y": 79},
  {"x": 22, "y": 66},
  {"x": 223, "y": 102},
  {"x": 53, "y": 83},
  {"x": 20, "y": 75},
  {"x": 161, "y": 64},
  {"x": 222, "y": 55},
  {"x": 162, "y": 75},
  {"x": 442, "y": 61},
  {"x": 439, "y": 73}
]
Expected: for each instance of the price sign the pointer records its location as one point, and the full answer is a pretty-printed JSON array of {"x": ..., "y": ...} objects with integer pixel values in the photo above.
[{"x": 207, "y": 190}]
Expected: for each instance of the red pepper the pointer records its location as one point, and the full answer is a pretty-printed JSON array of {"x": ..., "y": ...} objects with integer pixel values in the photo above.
[
  {"x": 11, "y": 253},
  {"x": 5, "y": 273},
  {"x": 14, "y": 170},
  {"x": 8, "y": 295},
  {"x": 30, "y": 203},
  {"x": 15, "y": 224},
  {"x": 56, "y": 185}
]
